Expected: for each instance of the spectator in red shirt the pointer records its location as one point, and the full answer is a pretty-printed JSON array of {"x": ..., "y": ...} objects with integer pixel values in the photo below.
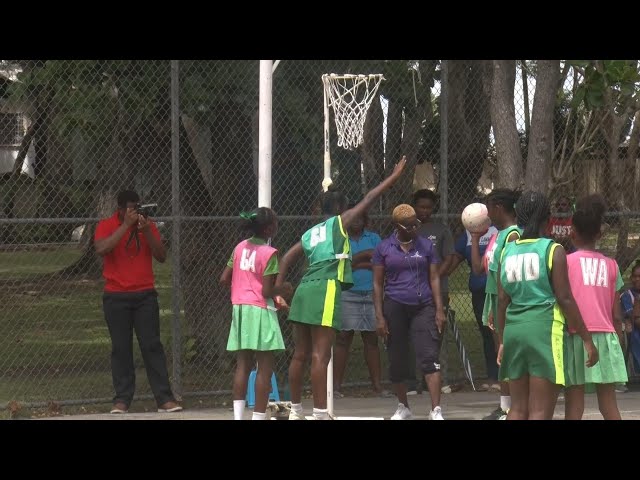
[
  {"x": 127, "y": 241},
  {"x": 559, "y": 228}
]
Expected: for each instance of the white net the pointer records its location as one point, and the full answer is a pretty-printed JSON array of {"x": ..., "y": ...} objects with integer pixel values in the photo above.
[{"x": 350, "y": 96}]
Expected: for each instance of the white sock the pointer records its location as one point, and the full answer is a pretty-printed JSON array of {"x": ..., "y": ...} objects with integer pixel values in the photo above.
[
  {"x": 238, "y": 409},
  {"x": 505, "y": 402},
  {"x": 320, "y": 413},
  {"x": 296, "y": 407},
  {"x": 259, "y": 416}
]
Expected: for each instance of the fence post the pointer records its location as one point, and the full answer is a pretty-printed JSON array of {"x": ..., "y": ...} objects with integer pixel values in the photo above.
[
  {"x": 264, "y": 134},
  {"x": 444, "y": 140},
  {"x": 175, "y": 231},
  {"x": 444, "y": 183}
]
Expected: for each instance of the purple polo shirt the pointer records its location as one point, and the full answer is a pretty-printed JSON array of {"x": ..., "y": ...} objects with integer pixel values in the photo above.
[{"x": 406, "y": 274}]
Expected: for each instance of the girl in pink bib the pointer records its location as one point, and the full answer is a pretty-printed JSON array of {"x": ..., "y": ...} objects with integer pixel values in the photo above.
[
  {"x": 595, "y": 280},
  {"x": 251, "y": 273}
]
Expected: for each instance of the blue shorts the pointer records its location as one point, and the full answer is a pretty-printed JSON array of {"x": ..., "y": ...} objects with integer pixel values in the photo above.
[{"x": 357, "y": 311}]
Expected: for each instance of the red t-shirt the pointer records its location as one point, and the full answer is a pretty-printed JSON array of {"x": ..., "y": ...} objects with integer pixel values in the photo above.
[
  {"x": 123, "y": 270},
  {"x": 559, "y": 227}
]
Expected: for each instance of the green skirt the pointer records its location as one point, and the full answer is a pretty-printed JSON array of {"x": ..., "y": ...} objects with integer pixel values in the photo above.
[
  {"x": 254, "y": 328},
  {"x": 609, "y": 369},
  {"x": 317, "y": 302}
]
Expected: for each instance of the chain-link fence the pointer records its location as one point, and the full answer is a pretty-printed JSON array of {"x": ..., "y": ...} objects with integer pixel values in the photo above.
[{"x": 185, "y": 135}]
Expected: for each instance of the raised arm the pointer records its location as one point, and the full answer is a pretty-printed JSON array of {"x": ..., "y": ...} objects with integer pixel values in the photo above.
[
  {"x": 369, "y": 199},
  {"x": 105, "y": 245},
  {"x": 476, "y": 258}
]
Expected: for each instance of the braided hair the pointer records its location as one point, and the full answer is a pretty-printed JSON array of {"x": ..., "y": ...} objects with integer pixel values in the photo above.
[
  {"x": 587, "y": 219},
  {"x": 258, "y": 220},
  {"x": 333, "y": 201},
  {"x": 533, "y": 210},
  {"x": 504, "y": 197}
]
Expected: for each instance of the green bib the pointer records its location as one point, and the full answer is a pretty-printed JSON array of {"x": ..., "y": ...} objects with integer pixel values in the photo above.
[
  {"x": 525, "y": 271},
  {"x": 494, "y": 259},
  {"x": 326, "y": 247}
]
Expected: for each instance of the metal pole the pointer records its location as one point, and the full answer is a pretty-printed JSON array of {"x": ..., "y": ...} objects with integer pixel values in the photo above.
[
  {"x": 444, "y": 181},
  {"x": 175, "y": 231},
  {"x": 264, "y": 133},
  {"x": 327, "y": 155},
  {"x": 444, "y": 139}
]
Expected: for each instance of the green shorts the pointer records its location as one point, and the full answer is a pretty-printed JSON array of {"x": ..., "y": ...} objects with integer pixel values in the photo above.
[
  {"x": 317, "y": 302},
  {"x": 535, "y": 348}
]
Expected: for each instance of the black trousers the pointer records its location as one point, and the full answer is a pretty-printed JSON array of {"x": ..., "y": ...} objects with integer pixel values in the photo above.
[
  {"x": 416, "y": 324},
  {"x": 139, "y": 311}
]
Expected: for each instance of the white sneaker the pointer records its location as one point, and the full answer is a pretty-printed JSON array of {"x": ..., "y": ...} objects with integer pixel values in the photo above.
[
  {"x": 293, "y": 415},
  {"x": 402, "y": 413},
  {"x": 436, "y": 414}
]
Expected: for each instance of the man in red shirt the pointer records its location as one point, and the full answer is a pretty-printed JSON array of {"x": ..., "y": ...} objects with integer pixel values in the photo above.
[
  {"x": 559, "y": 228},
  {"x": 127, "y": 241}
]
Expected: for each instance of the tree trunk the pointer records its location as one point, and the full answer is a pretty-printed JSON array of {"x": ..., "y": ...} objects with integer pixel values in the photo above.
[
  {"x": 403, "y": 189},
  {"x": 468, "y": 130},
  {"x": 541, "y": 140},
  {"x": 503, "y": 119}
]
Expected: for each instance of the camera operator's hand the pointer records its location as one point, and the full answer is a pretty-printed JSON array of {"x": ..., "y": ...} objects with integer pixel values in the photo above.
[
  {"x": 144, "y": 224},
  {"x": 130, "y": 217}
]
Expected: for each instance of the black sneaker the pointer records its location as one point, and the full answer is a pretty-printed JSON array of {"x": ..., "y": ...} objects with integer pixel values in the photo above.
[{"x": 495, "y": 415}]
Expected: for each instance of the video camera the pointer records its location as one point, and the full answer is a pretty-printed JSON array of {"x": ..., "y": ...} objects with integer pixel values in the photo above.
[{"x": 146, "y": 209}]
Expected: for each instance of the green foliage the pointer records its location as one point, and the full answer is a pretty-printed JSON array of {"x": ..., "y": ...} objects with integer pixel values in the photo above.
[{"x": 620, "y": 78}]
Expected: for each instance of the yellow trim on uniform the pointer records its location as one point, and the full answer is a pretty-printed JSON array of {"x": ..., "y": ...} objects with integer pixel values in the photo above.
[
  {"x": 557, "y": 343},
  {"x": 329, "y": 303},
  {"x": 551, "y": 250},
  {"x": 526, "y": 240},
  {"x": 344, "y": 234}
]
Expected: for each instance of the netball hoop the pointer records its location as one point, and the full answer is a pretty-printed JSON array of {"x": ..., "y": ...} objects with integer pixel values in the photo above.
[{"x": 350, "y": 96}]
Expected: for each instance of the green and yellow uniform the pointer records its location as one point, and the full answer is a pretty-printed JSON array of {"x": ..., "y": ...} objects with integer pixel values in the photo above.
[
  {"x": 533, "y": 339},
  {"x": 317, "y": 298}
]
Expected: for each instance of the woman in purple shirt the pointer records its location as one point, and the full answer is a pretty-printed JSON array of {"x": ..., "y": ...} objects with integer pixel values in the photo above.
[{"x": 408, "y": 304}]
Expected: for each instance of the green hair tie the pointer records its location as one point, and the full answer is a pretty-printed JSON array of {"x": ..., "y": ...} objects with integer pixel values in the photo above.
[{"x": 248, "y": 215}]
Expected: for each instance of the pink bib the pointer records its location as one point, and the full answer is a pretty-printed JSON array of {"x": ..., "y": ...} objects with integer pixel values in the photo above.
[{"x": 249, "y": 263}]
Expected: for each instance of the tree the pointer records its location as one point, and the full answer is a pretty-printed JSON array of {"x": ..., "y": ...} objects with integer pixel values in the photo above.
[{"x": 500, "y": 76}]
